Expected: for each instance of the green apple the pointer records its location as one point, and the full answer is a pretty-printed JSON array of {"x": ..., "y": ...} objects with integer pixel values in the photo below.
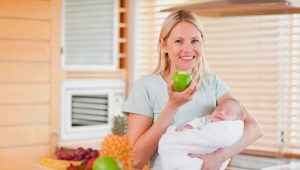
[
  {"x": 181, "y": 80},
  {"x": 106, "y": 163}
]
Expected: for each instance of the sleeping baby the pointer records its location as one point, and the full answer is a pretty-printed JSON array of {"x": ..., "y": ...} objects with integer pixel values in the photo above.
[{"x": 202, "y": 135}]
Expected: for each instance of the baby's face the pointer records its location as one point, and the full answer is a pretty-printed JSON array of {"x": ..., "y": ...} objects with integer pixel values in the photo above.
[{"x": 228, "y": 110}]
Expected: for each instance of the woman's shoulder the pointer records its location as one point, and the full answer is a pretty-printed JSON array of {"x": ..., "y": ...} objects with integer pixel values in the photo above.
[
  {"x": 149, "y": 80},
  {"x": 212, "y": 80},
  {"x": 210, "y": 77},
  {"x": 149, "y": 77}
]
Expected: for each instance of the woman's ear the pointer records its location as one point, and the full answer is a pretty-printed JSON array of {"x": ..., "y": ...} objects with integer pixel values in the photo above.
[{"x": 163, "y": 45}]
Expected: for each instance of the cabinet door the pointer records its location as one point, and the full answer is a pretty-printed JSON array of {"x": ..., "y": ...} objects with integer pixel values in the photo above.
[{"x": 90, "y": 34}]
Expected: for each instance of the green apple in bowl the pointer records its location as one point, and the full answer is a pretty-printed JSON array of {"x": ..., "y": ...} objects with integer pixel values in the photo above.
[
  {"x": 181, "y": 80},
  {"x": 106, "y": 163}
]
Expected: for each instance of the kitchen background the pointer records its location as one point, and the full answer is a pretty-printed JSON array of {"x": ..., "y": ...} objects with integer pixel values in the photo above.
[{"x": 60, "y": 59}]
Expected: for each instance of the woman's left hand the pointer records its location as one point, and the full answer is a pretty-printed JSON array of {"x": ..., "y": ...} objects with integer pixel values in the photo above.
[{"x": 212, "y": 161}]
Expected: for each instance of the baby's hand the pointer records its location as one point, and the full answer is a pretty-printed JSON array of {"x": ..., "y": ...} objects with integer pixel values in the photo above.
[{"x": 184, "y": 127}]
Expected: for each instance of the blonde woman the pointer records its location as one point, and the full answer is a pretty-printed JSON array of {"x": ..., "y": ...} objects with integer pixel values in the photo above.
[{"x": 152, "y": 106}]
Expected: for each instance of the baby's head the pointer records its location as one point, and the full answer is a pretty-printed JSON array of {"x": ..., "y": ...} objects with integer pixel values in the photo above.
[{"x": 230, "y": 109}]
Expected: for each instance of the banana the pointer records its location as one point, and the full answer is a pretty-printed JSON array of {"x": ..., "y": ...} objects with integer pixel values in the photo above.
[{"x": 56, "y": 164}]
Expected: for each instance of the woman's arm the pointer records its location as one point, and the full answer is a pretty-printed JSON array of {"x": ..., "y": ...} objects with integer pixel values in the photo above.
[
  {"x": 144, "y": 135},
  {"x": 251, "y": 133}
]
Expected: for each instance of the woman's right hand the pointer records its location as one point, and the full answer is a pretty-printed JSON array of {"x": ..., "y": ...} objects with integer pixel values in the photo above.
[{"x": 177, "y": 99}]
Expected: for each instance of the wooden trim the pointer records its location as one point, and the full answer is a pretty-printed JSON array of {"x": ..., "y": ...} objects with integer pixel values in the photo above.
[
  {"x": 25, "y": 72},
  {"x": 24, "y": 93},
  {"x": 56, "y": 74},
  {"x": 271, "y": 154},
  {"x": 123, "y": 37},
  {"x": 223, "y": 9},
  {"x": 24, "y": 51},
  {"x": 24, "y": 114},
  {"x": 36, "y": 134},
  {"x": 29, "y": 9},
  {"x": 94, "y": 75},
  {"x": 18, "y": 29},
  {"x": 24, "y": 157},
  {"x": 291, "y": 155},
  {"x": 261, "y": 153}
]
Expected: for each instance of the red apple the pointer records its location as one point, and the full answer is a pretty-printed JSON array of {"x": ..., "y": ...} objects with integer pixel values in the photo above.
[{"x": 91, "y": 162}]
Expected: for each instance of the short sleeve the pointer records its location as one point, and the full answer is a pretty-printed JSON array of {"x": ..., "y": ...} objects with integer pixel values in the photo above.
[
  {"x": 220, "y": 87},
  {"x": 138, "y": 100}
]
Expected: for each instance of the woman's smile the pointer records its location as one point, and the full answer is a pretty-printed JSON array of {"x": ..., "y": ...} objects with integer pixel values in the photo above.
[{"x": 188, "y": 58}]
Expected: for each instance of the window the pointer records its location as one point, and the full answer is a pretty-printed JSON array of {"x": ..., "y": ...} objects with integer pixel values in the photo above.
[
  {"x": 257, "y": 56},
  {"x": 89, "y": 42}
]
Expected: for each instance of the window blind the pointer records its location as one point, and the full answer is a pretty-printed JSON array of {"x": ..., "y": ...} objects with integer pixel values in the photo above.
[
  {"x": 291, "y": 111},
  {"x": 90, "y": 34},
  {"x": 247, "y": 52},
  {"x": 257, "y": 56}
]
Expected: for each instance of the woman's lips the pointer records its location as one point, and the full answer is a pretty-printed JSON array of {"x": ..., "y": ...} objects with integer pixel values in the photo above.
[{"x": 187, "y": 57}]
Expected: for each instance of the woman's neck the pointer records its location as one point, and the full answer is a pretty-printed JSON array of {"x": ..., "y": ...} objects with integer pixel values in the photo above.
[{"x": 166, "y": 76}]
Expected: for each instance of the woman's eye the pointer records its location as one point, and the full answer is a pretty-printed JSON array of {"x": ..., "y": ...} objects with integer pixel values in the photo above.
[
  {"x": 178, "y": 41},
  {"x": 195, "y": 41}
]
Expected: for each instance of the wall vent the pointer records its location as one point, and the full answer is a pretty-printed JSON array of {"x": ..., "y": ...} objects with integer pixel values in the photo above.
[
  {"x": 88, "y": 107},
  {"x": 88, "y": 110}
]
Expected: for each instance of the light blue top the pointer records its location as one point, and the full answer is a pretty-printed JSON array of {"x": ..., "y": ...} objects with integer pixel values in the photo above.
[{"x": 149, "y": 96}]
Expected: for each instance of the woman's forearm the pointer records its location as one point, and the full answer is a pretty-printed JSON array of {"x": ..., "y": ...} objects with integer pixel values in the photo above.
[
  {"x": 251, "y": 133},
  {"x": 146, "y": 145}
]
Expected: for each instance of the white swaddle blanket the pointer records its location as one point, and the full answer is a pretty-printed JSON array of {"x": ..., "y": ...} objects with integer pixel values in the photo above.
[{"x": 175, "y": 146}]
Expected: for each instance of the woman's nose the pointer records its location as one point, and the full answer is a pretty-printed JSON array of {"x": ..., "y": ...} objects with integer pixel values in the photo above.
[{"x": 187, "y": 47}]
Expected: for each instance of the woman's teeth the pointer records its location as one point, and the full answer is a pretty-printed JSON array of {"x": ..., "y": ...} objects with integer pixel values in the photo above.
[{"x": 187, "y": 57}]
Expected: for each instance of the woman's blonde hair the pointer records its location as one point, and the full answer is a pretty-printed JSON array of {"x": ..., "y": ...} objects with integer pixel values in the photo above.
[{"x": 163, "y": 66}]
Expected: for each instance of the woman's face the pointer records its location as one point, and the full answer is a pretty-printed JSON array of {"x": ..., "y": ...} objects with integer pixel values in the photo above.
[{"x": 183, "y": 46}]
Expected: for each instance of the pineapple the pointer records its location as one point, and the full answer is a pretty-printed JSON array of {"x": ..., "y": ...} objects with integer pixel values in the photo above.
[{"x": 117, "y": 144}]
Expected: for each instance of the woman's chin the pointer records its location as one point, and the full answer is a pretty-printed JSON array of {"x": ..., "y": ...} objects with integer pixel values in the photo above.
[{"x": 185, "y": 68}]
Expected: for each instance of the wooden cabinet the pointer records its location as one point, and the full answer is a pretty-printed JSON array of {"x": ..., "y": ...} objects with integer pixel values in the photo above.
[{"x": 123, "y": 39}]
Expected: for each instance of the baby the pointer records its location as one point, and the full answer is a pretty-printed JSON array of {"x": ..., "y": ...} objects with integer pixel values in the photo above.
[
  {"x": 202, "y": 136},
  {"x": 230, "y": 109}
]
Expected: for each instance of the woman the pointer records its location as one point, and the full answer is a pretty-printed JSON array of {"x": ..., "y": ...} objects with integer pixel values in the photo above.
[{"x": 152, "y": 104}]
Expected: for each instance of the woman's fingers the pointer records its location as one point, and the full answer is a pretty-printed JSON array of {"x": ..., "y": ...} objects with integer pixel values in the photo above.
[
  {"x": 169, "y": 86},
  {"x": 189, "y": 92},
  {"x": 180, "y": 98},
  {"x": 191, "y": 87}
]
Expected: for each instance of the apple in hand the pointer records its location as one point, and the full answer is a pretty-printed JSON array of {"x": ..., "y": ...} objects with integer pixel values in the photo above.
[
  {"x": 181, "y": 80},
  {"x": 106, "y": 163}
]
